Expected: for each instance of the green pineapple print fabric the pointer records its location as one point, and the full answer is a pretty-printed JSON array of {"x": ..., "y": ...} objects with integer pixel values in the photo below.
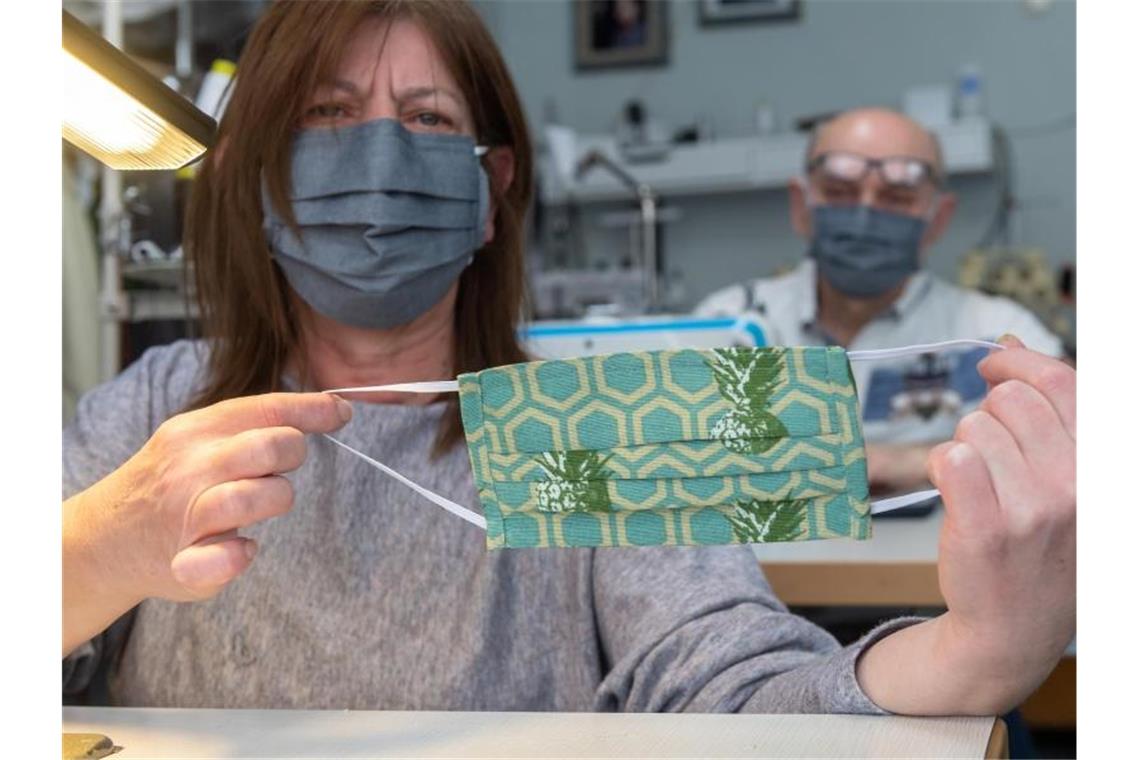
[{"x": 733, "y": 445}]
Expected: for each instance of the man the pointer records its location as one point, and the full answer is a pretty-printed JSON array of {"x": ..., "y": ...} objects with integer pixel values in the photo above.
[{"x": 871, "y": 201}]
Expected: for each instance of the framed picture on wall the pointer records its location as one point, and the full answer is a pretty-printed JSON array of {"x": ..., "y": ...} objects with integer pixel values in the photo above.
[
  {"x": 612, "y": 33},
  {"x": 728, "y": 11}
]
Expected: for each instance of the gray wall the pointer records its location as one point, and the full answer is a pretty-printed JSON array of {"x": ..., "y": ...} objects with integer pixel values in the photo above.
[{"x": 840, "y": 53}]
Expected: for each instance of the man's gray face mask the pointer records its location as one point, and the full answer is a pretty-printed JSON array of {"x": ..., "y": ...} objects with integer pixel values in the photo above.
[
  {"x": 864, "y": 252},
  {"x": 388, "y": 220}
]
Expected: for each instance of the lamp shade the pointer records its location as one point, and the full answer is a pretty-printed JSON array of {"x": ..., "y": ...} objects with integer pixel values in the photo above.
[{"x": 122, "y": 115}]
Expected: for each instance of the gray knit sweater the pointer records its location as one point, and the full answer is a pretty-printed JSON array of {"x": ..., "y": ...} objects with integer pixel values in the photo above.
[{"x": 366, "y": 596}]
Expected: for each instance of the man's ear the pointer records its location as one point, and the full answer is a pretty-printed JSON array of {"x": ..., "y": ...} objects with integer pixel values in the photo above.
[
  {"x": 943, "y": 213},
  {"x": 500, "y": 166},
  {"x": 798, "y": 207}
]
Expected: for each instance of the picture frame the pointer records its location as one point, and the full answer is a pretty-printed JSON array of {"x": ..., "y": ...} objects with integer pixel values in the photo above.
[
  {"x": 620, "y": 33},
  {"x": 715, "y": 12}
]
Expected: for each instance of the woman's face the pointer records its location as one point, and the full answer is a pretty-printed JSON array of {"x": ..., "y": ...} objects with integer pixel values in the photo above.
[{"x": 390, "y": 70}]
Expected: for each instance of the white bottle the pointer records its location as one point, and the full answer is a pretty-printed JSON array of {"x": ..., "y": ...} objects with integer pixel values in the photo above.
[
  {"x": 969, "y": 94},
  {"x": 215, "y": 92}
]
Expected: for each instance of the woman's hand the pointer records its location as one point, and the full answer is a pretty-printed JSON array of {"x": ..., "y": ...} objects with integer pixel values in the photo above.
[
  {"x": 165, "y": 523},
  {"x": 1007, "y": 552}
]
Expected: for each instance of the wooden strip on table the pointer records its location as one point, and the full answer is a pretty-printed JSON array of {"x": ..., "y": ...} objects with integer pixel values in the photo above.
[
  {"x": 869, "y": 584},
  {"x": 1054, "y": 704},
  {"x": 998, "y": 745}
]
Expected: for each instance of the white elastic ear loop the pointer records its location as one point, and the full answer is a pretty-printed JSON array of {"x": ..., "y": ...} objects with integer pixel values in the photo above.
[
  {"x": 898, "y": 502},
  {"x": 434, "y": 386},
  {"x": 928, "y": 215},
  {"x": 455, "y": 509},
  {"x": 428, "y": 386},
  {"x": 809, "y": 195},
  {"x": 918, "y": 348}
]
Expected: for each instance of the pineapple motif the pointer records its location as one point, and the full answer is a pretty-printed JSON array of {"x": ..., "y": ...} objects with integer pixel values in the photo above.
[
  {"x": 747, "y": 379},
  {"x": 754, "y": 521},
  {"x": 576, "y": 482}
]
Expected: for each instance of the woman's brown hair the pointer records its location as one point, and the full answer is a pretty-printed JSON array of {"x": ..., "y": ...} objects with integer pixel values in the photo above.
[{"x": 245, "y": 309}]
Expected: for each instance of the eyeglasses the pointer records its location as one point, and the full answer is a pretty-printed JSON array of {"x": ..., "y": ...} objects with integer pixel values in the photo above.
[{"x": 897, "y": 171}]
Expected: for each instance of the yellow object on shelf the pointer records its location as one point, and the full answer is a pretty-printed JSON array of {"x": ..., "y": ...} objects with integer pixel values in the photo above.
[{"x": 1023, "y": 275}]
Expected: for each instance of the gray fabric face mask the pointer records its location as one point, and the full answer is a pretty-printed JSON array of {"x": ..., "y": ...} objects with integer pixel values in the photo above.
[
  {"x": 388, "y": 220},
  {"x": 862, "y": 251}
]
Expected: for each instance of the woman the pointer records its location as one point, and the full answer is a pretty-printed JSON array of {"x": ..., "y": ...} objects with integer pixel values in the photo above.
[{"x": 354, "y": 118}]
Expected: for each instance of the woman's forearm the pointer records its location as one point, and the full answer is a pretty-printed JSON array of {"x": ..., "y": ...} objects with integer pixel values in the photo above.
[
  {"x": 94, "y": 568},
  {"x": 935, "y": 668}
]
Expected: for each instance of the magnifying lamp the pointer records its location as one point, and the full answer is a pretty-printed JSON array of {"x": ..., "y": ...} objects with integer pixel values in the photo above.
[{"x": 122, "y": 115}]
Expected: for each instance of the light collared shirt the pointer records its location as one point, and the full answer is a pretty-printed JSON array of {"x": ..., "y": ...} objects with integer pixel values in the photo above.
[{"x": 911, "y": 400}]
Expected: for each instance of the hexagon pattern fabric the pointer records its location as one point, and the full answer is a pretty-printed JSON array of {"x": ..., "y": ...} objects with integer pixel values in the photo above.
[{"x": 736, "y": 445}]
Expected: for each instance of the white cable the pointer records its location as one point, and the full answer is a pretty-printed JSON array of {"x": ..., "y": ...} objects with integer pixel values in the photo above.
[
  {"x": 428, "y": 386},
  {"x": 448, "y": 504},
  {"x": 920, "y": 348}
]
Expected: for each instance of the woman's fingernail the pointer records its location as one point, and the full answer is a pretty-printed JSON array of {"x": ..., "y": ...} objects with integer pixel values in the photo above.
[
  {"x": 345, "y": 409},
  {"x": 1008, "y": 338},
  {"x": 958, "y": 454},
  {"x": 250, "y": 549}
]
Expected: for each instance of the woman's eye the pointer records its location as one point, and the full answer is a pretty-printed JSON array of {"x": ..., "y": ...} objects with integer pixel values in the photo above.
[
  {"x": 430, "y": 120},
  {"x": 326, "y": 111}
]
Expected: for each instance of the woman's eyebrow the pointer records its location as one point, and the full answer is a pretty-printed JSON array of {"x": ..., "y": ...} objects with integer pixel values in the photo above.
[
  {"x": 420, "y": 93},
  {"x": 346, "y": 85}
]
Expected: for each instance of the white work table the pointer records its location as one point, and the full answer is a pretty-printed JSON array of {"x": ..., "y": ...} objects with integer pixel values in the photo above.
[
  {"x": 896, "y": 567},
  {"x": 181, "y": 733}
]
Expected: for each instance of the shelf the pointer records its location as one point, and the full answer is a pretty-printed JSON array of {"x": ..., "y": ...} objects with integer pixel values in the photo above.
[
  {"x": 147, "y": 305},
  {"x": 736, "y": 165},
  {"x": 164, "y": 298},
  {"x": 164, "y": 274}
]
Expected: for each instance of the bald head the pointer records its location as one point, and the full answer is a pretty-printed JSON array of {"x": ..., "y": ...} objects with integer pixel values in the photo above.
[{"x": 876, "y": 133}]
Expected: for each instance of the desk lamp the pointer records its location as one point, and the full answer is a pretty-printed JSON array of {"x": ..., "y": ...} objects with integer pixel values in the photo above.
[{"x": 119, "y": 113}]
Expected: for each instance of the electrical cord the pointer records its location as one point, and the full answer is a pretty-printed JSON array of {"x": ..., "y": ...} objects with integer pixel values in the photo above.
[{"x": 998, "y": 228}]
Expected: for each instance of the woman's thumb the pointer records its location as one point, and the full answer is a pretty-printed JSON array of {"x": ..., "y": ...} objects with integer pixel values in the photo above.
[{"x": 203, "y": 568}]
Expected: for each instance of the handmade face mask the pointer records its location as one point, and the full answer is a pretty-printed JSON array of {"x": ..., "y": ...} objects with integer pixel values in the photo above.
[
  {"x": 388, "y": 220},
  {"x": 735, "y": 445},
  {"x": 732, "y": 445}
]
